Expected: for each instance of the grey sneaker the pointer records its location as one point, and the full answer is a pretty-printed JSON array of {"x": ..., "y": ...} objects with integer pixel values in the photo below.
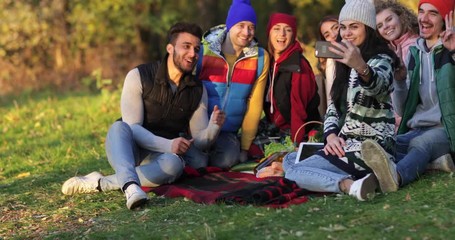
[
  {"x": 443, "y": 163},
  {"x": 135, "y": 197},
  {"x": 383, "y": 167},
  {"x": 364, "y": 188},
  {"x": 83, "y": 184}
]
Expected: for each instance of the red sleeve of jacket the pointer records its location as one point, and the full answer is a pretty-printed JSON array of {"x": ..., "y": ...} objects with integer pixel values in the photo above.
[{"x": 303, "y": 89}]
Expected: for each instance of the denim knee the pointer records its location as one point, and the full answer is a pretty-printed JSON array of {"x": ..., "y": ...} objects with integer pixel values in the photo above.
[
  {"x": 196, "y": 158},
  {"x": 118, "y": 130},
  {"x": 433, "y": 141},
  {"x": 224, "y": 160},
  {"x": 420, "y": 143},
  {"x": 289, "y": 160},
  {"x": 226, "y": 152},
  {"x": 164, "y": 170},
  {"x": 172, "y": 165}
]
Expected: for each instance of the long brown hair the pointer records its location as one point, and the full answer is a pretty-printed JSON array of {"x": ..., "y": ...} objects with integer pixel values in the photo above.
[
  {"x": 322, "y": 61},
  {"x": 328, "y": 18},
  {"x": 373, "y": 45}
]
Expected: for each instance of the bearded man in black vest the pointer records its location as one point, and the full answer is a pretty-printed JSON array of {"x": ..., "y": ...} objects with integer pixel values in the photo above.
[{"x": 164, "y": 118}]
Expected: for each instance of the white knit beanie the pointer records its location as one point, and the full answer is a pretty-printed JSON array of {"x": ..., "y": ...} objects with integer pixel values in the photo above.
[{"x": 359, "y": 10}]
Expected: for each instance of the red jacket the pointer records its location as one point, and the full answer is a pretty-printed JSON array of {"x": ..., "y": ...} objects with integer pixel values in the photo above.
[{"x": 292, "y": 95}]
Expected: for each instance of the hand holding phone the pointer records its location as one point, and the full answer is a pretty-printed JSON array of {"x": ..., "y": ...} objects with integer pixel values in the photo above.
[{"x": 322, "y": 50}]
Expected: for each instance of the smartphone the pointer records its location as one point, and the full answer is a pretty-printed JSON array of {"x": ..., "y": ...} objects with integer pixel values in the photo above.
[{"x": 322, "y": 50}]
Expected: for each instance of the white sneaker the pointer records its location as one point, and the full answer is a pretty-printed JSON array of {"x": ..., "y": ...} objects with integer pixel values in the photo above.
[
  {"x": 84, "y": 184},
  {"x": 443, "y": 163},
  {"x": 364, "y": 188},
  {"x": 383, "y": 167},
  {"x": 135, "y": 197}
]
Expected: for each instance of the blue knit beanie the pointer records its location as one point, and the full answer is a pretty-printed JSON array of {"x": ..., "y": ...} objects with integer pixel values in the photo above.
[{"x": 240, "y": 10}]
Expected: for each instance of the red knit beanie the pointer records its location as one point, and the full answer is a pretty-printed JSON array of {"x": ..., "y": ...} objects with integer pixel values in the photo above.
[
  {"x": 276, "y": 18},
  {"x": 444, "y": 6}
]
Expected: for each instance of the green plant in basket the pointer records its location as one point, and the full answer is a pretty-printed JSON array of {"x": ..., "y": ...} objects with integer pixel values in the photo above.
[
  {"x": 284, "y": 146},
  {"x": 287, "y": 145}
]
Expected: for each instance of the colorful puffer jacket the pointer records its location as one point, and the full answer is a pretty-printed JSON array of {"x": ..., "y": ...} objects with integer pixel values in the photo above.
[
  {"x": 444, "y": 69},
  {"x": 230, "y": 94}
]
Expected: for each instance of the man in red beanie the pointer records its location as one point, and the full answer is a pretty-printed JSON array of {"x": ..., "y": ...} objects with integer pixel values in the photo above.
[
  {"x": 432, "y": 26},
  {"x": 426, "y": 101}
]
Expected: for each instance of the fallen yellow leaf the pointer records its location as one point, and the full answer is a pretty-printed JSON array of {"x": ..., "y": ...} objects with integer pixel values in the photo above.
[
  {"x": 408, "y": 197},
  {"x": 22, "y": 175}
]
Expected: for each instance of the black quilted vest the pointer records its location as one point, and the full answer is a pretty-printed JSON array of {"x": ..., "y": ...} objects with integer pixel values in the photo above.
[{"x": 167, "y": 114}]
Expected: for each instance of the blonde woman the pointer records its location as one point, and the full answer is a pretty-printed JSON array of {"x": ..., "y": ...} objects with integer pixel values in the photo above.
[{"x": 398, "y": 25}]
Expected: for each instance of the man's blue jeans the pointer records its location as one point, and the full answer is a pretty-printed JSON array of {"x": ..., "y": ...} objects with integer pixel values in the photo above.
[
  {"x": 418, "y": 147},
  {"x": 135, "y": 164},
  {"x": 224, "y": 153}
]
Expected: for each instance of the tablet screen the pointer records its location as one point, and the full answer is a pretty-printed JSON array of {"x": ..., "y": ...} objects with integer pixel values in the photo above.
[{"x": 307, "y": 149}]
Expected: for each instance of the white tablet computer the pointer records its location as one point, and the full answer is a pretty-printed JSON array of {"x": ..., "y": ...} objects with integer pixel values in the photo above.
[{"x": 307, "y": 149}]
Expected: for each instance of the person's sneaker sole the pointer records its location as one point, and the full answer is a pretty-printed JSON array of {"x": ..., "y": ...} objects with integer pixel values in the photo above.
[
  {"x": 73, "y": 185},
  {"x": 136, "y": 197},
  {"x": 369, "y": 185},
  {"x": 375, "y": 158},
  {"x": 138, "y": 203},
  {"x": 443, "y": 163}
]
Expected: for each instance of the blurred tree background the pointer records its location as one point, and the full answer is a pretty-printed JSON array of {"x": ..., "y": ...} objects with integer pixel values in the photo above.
[{"x": 57, "y": 44}]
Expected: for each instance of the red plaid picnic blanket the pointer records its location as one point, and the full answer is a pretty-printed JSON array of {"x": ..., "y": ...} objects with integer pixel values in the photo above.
[{"x": 213, "y": 185}]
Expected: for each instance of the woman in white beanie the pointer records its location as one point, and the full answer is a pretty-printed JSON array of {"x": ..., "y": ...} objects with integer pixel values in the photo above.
[{"x": 361, "y": 109}]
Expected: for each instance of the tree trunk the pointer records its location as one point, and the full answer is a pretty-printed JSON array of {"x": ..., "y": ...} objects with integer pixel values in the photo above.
[{"x": 207, "y": 13}]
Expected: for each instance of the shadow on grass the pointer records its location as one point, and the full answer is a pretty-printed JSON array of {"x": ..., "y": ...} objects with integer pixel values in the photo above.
[{"x": 9, "y": 101}]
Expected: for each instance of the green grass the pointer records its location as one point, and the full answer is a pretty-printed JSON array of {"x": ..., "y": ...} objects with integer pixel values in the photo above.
[{"x": 47, "y": 138}]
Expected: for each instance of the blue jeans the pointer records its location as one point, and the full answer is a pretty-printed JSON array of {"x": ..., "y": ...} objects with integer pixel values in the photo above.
[
  {"x": 134, "y": 164},
  {"x": 418, "y": 147},
  {"x": 225, "y": 153},
  {"x": 314, "y": 173}
]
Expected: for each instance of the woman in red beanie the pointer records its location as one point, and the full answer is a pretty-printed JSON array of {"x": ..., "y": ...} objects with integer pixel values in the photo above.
[{"x": 291, "y": 97}]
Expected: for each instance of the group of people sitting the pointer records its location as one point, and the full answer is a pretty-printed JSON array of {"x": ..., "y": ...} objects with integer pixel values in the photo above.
[{"x": 202, "y": 104}]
